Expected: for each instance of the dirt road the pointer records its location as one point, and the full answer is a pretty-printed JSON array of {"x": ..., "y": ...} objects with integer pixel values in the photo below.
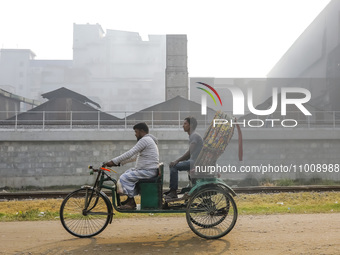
[{"x": 273, "y": 234}]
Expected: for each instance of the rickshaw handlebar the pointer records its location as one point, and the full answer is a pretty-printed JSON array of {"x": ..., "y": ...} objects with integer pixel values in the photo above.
[{"x": 103, "y": 167}]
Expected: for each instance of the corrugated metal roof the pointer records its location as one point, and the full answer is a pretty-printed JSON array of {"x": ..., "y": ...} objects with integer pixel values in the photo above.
[{"x": 66, "y": 93}]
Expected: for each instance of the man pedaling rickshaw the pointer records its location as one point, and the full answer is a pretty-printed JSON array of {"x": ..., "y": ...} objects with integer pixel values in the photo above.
[{"x": 146, "y": 155}]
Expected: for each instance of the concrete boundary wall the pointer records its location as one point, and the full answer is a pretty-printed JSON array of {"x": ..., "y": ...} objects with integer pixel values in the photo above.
[{"x": 60, "y": 158}]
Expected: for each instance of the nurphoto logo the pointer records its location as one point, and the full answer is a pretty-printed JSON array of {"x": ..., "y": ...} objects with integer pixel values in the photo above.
[{"x": 238, "y": 99}]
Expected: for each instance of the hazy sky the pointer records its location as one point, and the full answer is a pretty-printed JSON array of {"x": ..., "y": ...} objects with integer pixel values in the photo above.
[{"x": 226, "y": 38}]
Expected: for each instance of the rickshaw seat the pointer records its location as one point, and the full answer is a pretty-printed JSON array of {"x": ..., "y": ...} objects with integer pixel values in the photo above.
[{"x": 151, "y": 190}]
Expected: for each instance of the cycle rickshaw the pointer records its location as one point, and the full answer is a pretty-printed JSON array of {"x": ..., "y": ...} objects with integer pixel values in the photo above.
[{"x": 208, "y": 203}]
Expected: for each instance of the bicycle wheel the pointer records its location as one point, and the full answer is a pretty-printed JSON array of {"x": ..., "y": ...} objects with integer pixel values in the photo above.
[
  {"x": 85, "y": 212},
  {"x": 211, "y": 213},
  {"x": 223, "y": 212}
]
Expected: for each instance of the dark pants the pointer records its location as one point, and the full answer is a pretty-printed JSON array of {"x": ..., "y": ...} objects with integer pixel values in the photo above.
[{"x": 180, "y": 166}]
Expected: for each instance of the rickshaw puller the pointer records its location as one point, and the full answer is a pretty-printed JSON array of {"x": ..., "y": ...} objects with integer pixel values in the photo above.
[{"x": 146, "y": 155}]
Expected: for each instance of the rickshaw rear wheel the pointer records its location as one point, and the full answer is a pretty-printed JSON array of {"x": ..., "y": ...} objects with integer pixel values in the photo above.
[
  {"x": 85, "y": 212},
  {"x": 211, "y": 212}
]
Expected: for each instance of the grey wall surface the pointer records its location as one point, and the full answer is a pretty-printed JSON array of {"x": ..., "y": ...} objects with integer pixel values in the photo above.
[{"x": 60, "y": 158}]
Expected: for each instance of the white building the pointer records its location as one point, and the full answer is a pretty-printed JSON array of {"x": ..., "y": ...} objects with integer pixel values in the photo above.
[
  {"x": 117, "y": 69},
  {"x": 14, "y": 70}
]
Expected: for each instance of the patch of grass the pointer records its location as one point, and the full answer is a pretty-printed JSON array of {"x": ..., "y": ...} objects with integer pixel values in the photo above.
[
  {"x": 30, "y": 215},
  {"x": 303, "y": 202},
  {"x": 30, "y": 210},
  {"x": 298, "y": 182}
]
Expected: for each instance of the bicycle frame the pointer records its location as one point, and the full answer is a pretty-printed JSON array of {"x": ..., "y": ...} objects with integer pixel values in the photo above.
[
  {"x": 99, "y": 184},
  {"x": 103, "y": 177}
]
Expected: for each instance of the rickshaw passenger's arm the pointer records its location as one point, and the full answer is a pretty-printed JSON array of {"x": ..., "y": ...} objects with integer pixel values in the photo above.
[{"x": 185, "y": 156}]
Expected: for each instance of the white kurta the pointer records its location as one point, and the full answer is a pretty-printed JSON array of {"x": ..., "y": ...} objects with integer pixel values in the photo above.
[{"x": 146, "y": 154}]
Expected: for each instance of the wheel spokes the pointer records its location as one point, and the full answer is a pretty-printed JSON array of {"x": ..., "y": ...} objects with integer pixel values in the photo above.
[
  {"x": 211, "y": 213},
  {"x": 85, "y": 213}
]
